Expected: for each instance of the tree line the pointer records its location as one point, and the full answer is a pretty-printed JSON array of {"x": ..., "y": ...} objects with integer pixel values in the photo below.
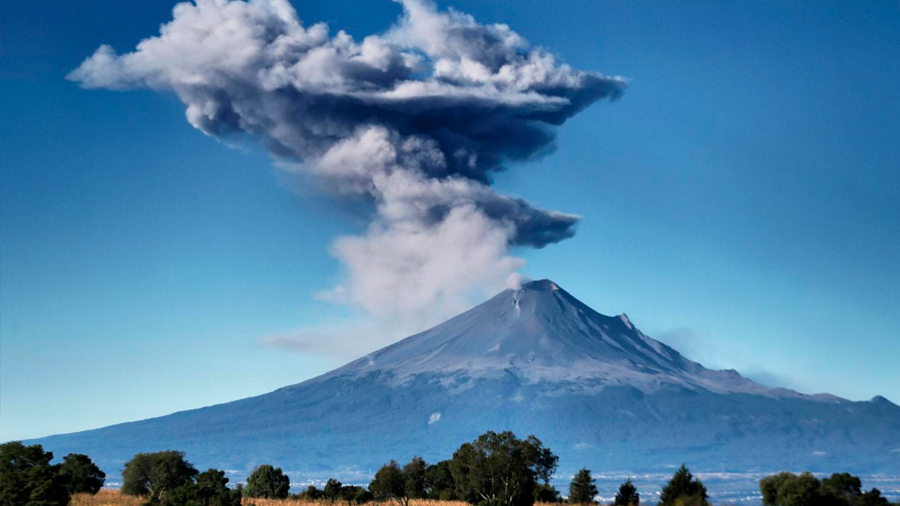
[
  {"x": 28, "y": 478},
  {"x": 496, "y": 469},
  {"x": 840, "y": 489}
]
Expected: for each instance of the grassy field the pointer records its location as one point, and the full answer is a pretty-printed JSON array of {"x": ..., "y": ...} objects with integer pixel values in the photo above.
[
  {"x": 295, "y": 502},
  {"x": 108, "y": 497},
  {"x": 105, "y": 497}
]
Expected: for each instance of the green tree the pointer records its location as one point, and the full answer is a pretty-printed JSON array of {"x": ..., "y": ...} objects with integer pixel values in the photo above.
[
  {"x": 362, "y": 496},
  {"x": 499, "y": 469},
  {"x": 842, "y": 488},
  {"x": 770, "y": 485},
  {"x": 332, "y": 490},
  {"x": 627, "y": 495},
  {"x": 348, "y": 494},
  {"x": 80, "y": 474},
  {"x": 685, "y": 487},
  {"x": 209, "y": 489},
  {"x": 267, "y": 482},
  {"x": 390, "y": 484},
  {"x": 156, "y": 474},
  {"x": 28, "y": 479},
  {"x": 414, "y": 478},
  {"x": 542, "y": 461},
  {"x": 583, "y": 488},
  {"x": 439, "y": 482},
  {"x": 803, "y": 490},
  {"x": 354, "y": 494},
  {"x": 311, "y": 494},
  {"x": 871, "y": 498},
  {"x": 545, "y": 492}
]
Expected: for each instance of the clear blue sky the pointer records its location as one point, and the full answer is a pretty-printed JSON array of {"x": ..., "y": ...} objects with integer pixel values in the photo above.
[{"x": 741, "y": 202}]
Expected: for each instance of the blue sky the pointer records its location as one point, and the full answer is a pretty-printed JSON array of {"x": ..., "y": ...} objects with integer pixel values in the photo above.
[{"x": 740, "y": 203}]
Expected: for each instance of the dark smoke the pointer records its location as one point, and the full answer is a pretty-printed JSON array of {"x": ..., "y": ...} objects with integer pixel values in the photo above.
[{"x": 415, "y": 119}]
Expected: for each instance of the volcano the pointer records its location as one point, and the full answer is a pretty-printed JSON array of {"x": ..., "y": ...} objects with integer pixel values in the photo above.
[{"x": 534, "y": 360}]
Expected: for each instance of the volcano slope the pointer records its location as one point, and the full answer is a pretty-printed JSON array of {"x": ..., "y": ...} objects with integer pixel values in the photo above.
[{"x": 537, "y": 361}]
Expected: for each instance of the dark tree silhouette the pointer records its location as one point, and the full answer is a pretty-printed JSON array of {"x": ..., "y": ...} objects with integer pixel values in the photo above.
[
  {"x": 354, "y": 494},
  {"x": 209, "y": 489},
  {"x": 843, "y": 487},
  {"x": 414, "y": 478},
  {"x": 684, "y": 487},
  {"x": 332, "y": 490},
  {"x": 28, "y": 478},
  {"x": 311, "y": 494},
  {"x": 363, "y": 496},
  {"x": 390, "y": 484},
  {"x": 583, "y": 488},
  {"x": 627, "y": 495},
  {"x": 545, "y": 492},
  {"x": 871, "y": 498},
  {"x": 439, "y": 482},
  {"x": 80, "y": 474}
]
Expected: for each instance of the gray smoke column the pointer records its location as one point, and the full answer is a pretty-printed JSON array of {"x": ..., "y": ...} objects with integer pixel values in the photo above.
[{"x": 414, "y": 120}]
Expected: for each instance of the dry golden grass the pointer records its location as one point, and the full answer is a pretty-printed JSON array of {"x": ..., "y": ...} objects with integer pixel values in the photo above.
[
  {"x": 299, "y": 502},
  {"x": 107, "y": 497}
]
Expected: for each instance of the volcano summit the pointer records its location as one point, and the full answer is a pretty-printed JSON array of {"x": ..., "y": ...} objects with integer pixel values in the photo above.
[{"x": 535, "y": 360}]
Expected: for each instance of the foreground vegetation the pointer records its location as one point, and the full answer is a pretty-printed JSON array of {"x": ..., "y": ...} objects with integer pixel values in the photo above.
[
  {"x": 109, "y": 497},
  {"x": 497, "y": 469}
]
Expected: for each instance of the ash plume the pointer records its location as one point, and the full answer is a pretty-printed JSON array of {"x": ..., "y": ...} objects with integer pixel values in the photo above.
[{"x": 414, "y": 120}]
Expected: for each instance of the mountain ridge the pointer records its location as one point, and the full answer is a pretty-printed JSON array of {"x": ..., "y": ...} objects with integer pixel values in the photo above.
[{"x": 595, "y": 335}]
